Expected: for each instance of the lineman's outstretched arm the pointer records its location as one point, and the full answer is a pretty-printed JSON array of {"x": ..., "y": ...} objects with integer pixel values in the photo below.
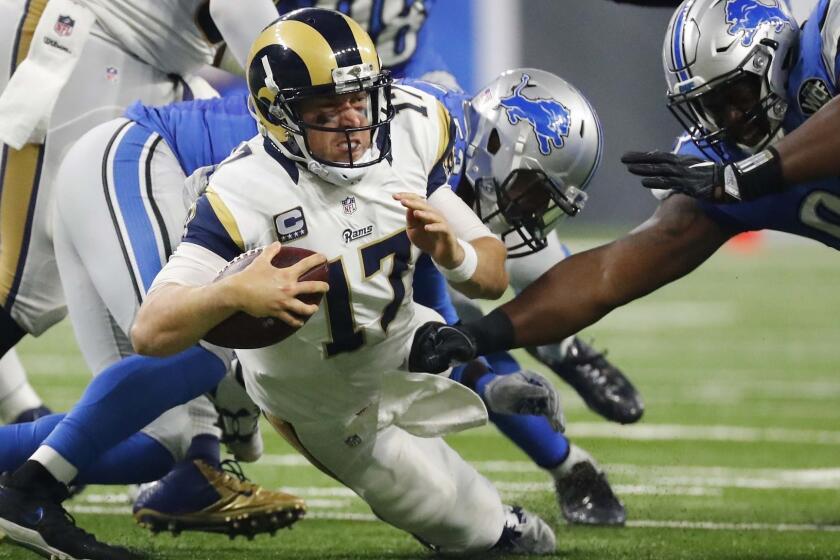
[
  {"x": 580, "y": 290},
  {"x": 810, "y": 152},
  {"x": 577, "y": 292}
]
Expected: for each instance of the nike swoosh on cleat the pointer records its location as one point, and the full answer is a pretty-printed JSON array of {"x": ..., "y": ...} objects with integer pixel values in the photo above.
[{"x": 33, "y": 518}]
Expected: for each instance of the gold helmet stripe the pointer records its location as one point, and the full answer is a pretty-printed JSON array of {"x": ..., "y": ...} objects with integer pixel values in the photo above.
[
  {"x": 309, "y": 45},
  {"x": 444, "y": 121}
]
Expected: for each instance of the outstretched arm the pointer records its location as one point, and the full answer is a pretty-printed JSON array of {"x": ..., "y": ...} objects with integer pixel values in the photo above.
[
  {"x": 580, "y": 290},
  {"x": 810, "y": 152},
  {"x": 577, "y": 292}
]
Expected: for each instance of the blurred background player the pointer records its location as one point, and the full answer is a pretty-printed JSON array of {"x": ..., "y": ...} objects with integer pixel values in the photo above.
[
  {"x": 69, "y": 66},
  {"x": 397, "y": 27},
  {"x": 758, "y": 85}
]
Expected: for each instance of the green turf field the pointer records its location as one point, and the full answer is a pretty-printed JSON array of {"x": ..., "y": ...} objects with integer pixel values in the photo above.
[{"x": 737, "y": 457}]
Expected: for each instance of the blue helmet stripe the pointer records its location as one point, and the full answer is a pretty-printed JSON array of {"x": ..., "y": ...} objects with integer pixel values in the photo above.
[
  {"x": 677, "y": 46},
  {"x": 600, "y": 149}
]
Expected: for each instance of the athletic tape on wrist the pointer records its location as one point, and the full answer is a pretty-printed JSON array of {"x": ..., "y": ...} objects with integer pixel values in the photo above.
[{"x": 466, "y": 269}]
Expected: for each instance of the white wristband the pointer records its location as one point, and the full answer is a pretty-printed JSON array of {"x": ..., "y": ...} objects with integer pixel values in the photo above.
[{"x": 466, "y": 269}]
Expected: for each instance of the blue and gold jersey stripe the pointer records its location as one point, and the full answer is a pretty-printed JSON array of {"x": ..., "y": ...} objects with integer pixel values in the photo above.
[{"x": 212, "y": 226}]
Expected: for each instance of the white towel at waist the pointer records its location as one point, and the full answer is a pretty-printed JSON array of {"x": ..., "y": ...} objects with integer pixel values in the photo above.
[{"x": 31, "y": 93}]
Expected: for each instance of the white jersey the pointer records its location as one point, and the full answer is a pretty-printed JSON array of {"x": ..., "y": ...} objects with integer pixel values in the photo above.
[
  {"x": 163, "y": 33},
  {"x": 333, "y": 366}
]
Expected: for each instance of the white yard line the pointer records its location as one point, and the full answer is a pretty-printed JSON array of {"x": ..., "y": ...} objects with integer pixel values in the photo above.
[
  {"x": 99, "y": 510},
  {"x": 653, "y": 476},
  {"x": 666, "y": 432},
  {"x": 717, "y": 526},
  {"x": 683, "y": 432},
  {"x": 620, "y": 489},
  {"x": 635, "y": 523},
  {"x": 728, "y": 477},
  {"x": 639, "y": 523}
]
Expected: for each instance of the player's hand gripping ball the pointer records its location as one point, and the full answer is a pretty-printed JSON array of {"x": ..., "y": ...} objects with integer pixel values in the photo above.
[{"x": 242, "y": 330}]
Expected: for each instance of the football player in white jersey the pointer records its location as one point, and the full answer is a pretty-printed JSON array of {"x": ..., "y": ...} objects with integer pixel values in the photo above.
[
  {"x": 68, "y": 66},
  {"x": 339, "y": 389}
]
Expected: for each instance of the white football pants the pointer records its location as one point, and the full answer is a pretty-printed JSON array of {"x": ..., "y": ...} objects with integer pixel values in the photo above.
[{"x": 119, "y": 215}]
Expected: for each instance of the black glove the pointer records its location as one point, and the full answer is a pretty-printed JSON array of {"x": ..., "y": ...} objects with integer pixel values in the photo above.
[
  {"x": 747, "y": 179},
  {"x": 685, "y": 174},
  {"x": 438, "y": 346}
]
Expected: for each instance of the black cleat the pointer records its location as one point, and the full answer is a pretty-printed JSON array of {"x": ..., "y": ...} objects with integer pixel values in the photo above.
[
  {"x": 601, "y": 385},
  {"x": 42, "y": 525},
  {"x": 585, "y": 495}
]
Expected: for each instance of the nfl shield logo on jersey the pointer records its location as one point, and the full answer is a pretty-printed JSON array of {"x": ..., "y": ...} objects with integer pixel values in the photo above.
[
  {"x": 64, "y": 26},
  {"x": 349, "y": 205}
]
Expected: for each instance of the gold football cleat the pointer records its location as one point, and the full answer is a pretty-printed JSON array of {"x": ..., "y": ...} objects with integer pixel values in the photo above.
[{"x": 179, "y": 502}]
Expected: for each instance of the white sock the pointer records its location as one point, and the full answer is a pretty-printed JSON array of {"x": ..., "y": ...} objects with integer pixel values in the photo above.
[
  {"x": 576, "y": 455},
  {"x": 57, "y": 465},
  {"x": 16, "y": 394}
]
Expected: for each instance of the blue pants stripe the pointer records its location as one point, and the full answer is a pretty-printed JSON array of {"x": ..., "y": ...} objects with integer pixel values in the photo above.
[{"x": 129, "y": 168}]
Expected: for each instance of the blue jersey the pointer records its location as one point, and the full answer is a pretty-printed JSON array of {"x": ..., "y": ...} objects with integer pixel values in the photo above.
[
  {"x": 201, "y": 132},
  {"x": 809, "y": 209}
]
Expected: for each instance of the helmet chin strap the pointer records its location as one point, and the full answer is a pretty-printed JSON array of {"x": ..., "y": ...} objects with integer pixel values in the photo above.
[{"x": 341, "y": 176}]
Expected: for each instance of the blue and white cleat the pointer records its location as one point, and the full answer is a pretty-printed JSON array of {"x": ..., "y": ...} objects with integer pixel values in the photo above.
[
  {"x": 525, "y": 534},
  {"x": 40, "y": 524},
  {"x": 195, "y": 496}
]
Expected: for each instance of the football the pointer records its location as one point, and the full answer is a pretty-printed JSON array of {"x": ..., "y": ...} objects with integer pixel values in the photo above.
[{"x": 242, "y": 330}]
